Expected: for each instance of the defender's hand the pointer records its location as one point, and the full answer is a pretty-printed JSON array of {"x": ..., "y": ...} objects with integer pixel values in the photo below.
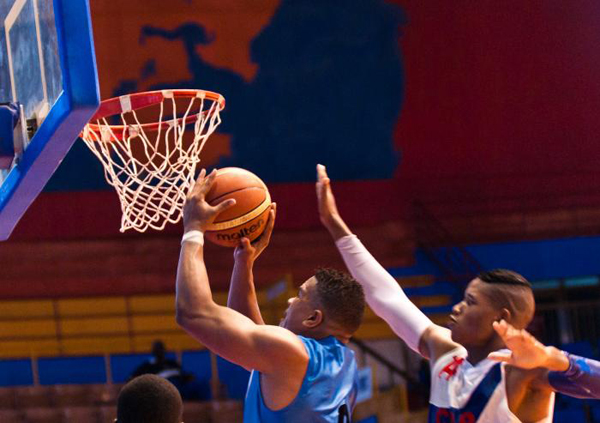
[
  {"x": 526, "y": 352},
  {"x": 328, "y": 211},
  {"x": 197, "y": 213},
  {"x": 249, "y": 252}
]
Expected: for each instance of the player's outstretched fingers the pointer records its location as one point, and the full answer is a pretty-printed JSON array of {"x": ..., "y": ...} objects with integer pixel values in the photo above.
[
  {"x": 207, "y": 183},
  {"x": 511, "y": 335},
  {"x": 514, "y": 335},
  {"x": 270, "y": 222},
  {"x": 323, "y": 181},
  {"x": 500, "y": 356},
  {"x": 223, "y": 205},
  {"x": 263, "y": 240},
  {"x": 322, "y": 174},
  {"x": 196, "y": 184},
  {"x": 328, "y": 211},
  {"x": 501, "y": 328}
]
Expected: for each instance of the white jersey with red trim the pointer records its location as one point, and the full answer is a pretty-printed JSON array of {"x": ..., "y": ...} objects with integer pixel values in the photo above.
[{"x": 463, "y": 393}]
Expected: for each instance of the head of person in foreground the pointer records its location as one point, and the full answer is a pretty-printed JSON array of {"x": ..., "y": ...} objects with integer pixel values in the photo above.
[
  {"x": 330, "y": 303},
  {"x": 149, "y": 399},
  {"x": 492, "y": 296}
]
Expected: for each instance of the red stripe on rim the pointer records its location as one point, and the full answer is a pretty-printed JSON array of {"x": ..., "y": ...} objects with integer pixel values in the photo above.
[{"x": 113, "y": 106}]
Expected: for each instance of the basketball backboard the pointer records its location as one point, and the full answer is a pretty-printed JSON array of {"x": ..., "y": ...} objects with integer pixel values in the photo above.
[{"x": 48, "y": 68}]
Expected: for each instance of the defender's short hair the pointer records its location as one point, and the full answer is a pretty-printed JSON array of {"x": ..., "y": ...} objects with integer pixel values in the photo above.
[
  {"x": 513, "y": 292},
  {"x": 149, "y": 399},
  {"x": 342, "y": 298},
  {"x": 504, "y": 276}
]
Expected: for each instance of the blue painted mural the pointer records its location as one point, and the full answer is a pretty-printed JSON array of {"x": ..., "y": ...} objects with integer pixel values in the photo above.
[{"x": 329, "y": 88}]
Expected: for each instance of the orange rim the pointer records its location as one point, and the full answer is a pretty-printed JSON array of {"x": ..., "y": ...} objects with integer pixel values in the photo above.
[{"x": 114, "y": 106}]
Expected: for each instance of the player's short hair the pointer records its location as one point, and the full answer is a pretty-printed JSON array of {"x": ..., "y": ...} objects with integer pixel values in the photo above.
[
  {"x": 149, "y": 399},
  {"x": 513, "y": 292},
  {"x": 341, "y": 297},
  {"x": 504, "y": 276}
]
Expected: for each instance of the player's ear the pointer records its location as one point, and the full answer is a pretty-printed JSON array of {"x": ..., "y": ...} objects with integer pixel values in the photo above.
[
  {"x": 506, "y": 315},
  {"x": 314, "y": 319}
]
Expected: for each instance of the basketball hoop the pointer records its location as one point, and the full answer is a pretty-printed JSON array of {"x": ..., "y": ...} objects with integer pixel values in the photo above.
[{"x": 139, "y": 139}]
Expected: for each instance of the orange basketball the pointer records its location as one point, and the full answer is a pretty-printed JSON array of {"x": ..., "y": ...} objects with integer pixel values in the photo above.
[{"x": 248, "y": 217}]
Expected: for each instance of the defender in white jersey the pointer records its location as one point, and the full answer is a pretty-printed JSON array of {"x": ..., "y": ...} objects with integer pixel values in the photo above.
[{"x": 485, "y": 367}]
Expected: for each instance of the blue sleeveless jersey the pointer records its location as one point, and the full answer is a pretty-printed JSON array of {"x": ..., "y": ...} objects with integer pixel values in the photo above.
[{"x": 329, "y": 388}]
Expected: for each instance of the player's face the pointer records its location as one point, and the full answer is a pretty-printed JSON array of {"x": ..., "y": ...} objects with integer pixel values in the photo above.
[
  {"x": 300, "y": 307},
  {"x": 471, "y": 319}
]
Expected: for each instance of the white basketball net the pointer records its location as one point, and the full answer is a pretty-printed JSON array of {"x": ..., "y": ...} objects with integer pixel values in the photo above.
[{"x": 152, "y": 170}]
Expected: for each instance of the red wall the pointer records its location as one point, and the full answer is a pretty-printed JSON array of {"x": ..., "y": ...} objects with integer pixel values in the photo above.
[
  {"x": 502, "y": 112},
  {"x": 501, "y": 96}
]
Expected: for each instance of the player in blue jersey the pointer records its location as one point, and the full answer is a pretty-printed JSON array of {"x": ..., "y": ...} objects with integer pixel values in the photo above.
[{"x": 302, "y": 370}]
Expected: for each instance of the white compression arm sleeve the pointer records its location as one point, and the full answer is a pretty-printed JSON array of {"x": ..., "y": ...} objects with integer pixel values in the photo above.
[{"x": 383, "y": 293}]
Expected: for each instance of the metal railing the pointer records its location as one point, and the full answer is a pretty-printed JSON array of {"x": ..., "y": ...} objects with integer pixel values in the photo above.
[
  {"x": 568, "y": 323},
  {"x": 437, "y": 242},
  {"x": 391, "y": 367}
]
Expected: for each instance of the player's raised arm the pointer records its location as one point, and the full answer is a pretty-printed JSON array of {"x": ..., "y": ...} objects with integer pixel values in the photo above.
[
  {"x": 382, "y": 292},
  {"x": 242, "y": 293},
  {"x": 222, "y": 330}
]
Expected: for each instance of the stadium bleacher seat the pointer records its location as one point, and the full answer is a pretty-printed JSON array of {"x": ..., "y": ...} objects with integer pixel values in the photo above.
[
  {"x": 81, "y": 414},
  {"x": 71, "y": 395},
  {"x": 105, "y": 393},
  {"x": 43, "y": 415},
  {"x": 196, "y": 412},
  {"x": 107, "y": 414},
  {"x": 33, "y": 397},
  {"x": 12, "y": 416},
  {"x": 7, "y": 398}
]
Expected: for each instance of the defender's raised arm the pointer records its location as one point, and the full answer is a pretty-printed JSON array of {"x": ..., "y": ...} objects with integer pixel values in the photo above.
[{"x": 382, "y": 292}]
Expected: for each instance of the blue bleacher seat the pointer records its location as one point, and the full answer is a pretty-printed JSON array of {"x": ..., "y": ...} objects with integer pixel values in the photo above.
[
  {"x": 15, "y": 372},
  {"x": 595, "y": 410},
  {"x": 234, "y": 377},
  {"x": 123, "y": 365},
  {"x": 198, "y": 363},
  {"x": 581, "y": 348},
  {"x": 569, "y": 415},
  {"x": 71, "y": 370}
]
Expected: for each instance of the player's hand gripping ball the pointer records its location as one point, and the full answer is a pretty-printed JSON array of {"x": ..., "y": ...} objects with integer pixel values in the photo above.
[{"x": 248, "y": 217}]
